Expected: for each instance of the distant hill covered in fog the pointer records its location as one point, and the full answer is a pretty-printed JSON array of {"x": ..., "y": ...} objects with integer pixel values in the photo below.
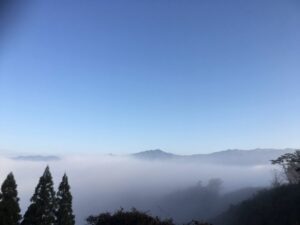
[
  {"x": 227, "y": 157},
  {"x": 36, "y": 158},
  {"x": 232, "y": 156}
]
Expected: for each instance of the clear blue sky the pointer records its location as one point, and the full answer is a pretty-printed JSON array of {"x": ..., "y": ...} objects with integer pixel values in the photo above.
[{"x": 125, "y": 76}]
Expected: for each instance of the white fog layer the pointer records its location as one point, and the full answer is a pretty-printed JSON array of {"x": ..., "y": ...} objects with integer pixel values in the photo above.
[{"x": 106, "y": 183}]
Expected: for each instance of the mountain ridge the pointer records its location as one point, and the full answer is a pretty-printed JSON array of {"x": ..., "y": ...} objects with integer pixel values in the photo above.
[
  {"x": 256, "y": 156},
  {"x": 36, "y": 158}
]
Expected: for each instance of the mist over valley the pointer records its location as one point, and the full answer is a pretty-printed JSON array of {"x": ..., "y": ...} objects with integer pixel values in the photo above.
[{"x": 163, "y": 184}]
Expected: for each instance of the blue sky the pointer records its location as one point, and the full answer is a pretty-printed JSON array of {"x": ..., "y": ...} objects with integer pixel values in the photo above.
[{"x": 124, "y": 76}]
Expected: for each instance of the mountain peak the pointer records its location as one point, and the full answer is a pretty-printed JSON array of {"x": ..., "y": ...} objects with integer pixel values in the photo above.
[{"x": 156, "y": 154}]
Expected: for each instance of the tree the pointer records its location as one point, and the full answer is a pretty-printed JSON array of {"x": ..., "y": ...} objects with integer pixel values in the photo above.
[
  {"x": 43, "y": 203},
  {"x": 290, "y": 164},
  {"x": 64, "y": 213},
  {"x": 9, "y": 205},
  {"x": 195, "y": 222},
  {"x": 133, "y": 217}
]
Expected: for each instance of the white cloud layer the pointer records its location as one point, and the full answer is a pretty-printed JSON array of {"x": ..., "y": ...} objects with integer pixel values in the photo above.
[{"x": 106, "y": 183}]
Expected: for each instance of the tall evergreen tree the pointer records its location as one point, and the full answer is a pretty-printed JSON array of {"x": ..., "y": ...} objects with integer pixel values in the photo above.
[
  {"x": 43, "y": 203},
  {"x": 64, "y": 212},
  {"x": 9, "y": 205}
]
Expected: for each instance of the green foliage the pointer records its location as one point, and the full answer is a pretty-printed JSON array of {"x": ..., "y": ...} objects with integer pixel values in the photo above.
[
  {"x": 43, "y": 203},
  {"x": 9, "y": 205},
  {"x": 64, "y": 213}
]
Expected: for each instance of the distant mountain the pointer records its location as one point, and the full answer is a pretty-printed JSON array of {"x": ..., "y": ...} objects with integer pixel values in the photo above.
[
  {"x": 156, "y": 154},
  {"x": 231, "y": 156},
  {"x": 37, "y": 158}
]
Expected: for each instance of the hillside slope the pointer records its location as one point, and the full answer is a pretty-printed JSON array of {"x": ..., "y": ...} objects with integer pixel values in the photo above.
[{"x": 276, "y": 206}]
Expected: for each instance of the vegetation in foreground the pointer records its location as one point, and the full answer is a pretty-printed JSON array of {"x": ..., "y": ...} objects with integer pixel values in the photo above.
[
  {"x": 276, "y": 206},
  {"x": 279, "y": 205},
  {"x": 133, "y": 217},
  {"x": 46, "y": 208}
]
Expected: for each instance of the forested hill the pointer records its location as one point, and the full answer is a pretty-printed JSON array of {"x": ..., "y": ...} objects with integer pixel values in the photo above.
[{"x": 276, "y": 206}]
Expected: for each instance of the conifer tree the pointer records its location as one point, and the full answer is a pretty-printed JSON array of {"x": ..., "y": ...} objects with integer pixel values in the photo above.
[
  {"x": 64, "y": 212},
  {"x": 43, "y": 203},
  {"x": 9, "y": 205}
]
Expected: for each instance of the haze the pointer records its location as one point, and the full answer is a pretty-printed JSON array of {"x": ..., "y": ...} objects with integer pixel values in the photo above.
[{"x": 106, "y": 183}]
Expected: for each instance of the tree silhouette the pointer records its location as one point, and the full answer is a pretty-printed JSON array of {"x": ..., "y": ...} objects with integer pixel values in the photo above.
[
  {"x": 64, "y": 213},
  {"x": 290, "y": 164},
  {"x": 133, "y": 217},
  {"x": 9, "y": 205},
  {"x": 43, "y": 203}
]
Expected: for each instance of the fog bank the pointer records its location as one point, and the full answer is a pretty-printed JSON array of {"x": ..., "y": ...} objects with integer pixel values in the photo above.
[{"x": 106, "y": 183}]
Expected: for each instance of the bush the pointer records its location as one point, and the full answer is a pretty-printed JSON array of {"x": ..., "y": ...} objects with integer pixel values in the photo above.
[{"x": 133, "y": 217}]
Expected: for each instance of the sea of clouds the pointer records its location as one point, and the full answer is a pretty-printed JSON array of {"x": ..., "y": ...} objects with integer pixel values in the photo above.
[{"x": 106, "y": 183}]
